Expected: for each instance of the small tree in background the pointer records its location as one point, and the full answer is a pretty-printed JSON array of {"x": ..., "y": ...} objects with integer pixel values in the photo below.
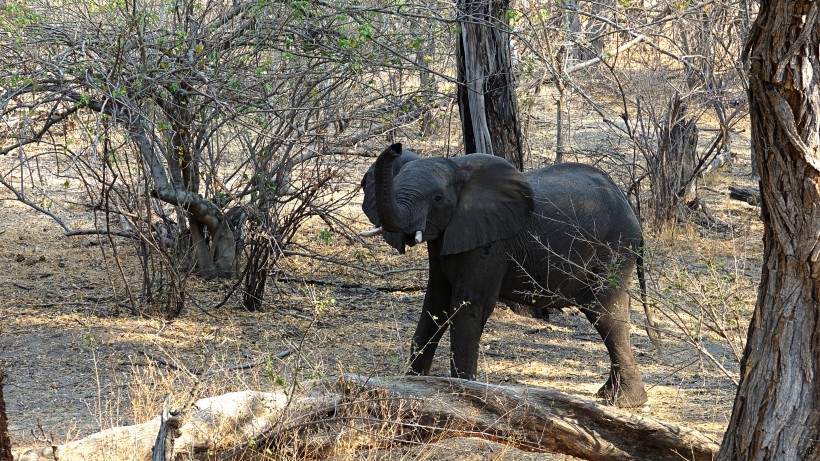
[{"x": 656, "y": 59}]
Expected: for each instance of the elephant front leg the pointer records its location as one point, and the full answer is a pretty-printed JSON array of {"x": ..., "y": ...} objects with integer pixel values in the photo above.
[
  {"x": 431, "y": 327},
  {"x": 472, "y": 305},
  {"x": 465, "y": 333},
  {"x": 475, "y": 291}
]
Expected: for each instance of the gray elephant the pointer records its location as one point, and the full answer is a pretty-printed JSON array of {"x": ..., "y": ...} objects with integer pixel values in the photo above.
[{"x": 550, "y": 238}]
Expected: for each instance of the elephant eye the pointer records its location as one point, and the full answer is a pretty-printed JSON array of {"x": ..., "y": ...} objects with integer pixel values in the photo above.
[{"x": 438, "y": 198}]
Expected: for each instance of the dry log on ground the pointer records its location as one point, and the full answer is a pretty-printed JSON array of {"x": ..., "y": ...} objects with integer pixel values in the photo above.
[
  {"x": 352, "y": 413},
  {"x": 211, "y": 424},
  {"x": 745, "y": 194}
]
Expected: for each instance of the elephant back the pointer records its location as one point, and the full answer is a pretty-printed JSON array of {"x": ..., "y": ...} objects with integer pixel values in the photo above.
[{"x": 582, "y": 200}]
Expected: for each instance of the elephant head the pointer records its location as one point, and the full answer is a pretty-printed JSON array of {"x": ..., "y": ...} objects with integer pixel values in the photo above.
[
  {"x": 466, "y": 202},
  {"x": 395, "y": 239}
]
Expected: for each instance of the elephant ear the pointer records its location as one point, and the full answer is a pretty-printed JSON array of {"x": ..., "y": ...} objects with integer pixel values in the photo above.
[
  {"x": 495, "y": 203},
  {"x": 394, "y": 239}
]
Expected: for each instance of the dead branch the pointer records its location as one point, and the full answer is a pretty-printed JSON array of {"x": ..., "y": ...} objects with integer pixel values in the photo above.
[
  {"x": 347, "y": 264},
  {"x": 356, "y": 412},
  {"x": 168, "y": 431},
  {"x": 368, "y": 286}
]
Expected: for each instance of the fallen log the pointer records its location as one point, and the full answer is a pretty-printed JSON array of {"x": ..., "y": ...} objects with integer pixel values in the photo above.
[
  {"x": 745, "y": 194},
  {"x": 353, "y": 413},
  {"x": 542, "y": 420}
]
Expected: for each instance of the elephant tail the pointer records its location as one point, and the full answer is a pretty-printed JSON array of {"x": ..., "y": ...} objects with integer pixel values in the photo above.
[{"x": 651, "y": 329}]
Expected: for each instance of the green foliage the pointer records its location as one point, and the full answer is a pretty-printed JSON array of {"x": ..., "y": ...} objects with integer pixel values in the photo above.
[
  {"x": 323, "y": 302},
  {"x": 512, "y": 14},
  {"x": 613, "y": 272},
  {"x": 365, "y": 31},
  {"x": 326, "y": 237},
  {"x": 270, "y": 372},
  {"x": 18, "y": 15},
  {"x": 299, "y": 8},
  {"x": 416, "y": 42}
]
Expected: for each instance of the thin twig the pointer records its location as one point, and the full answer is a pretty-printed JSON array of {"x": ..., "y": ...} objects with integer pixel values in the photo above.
[
  {"x": 247, "y": 365},
  {"x": 349, "y": 285},
  {"x": 69, "y": 232},
  {"x": 352, "y": 266}
]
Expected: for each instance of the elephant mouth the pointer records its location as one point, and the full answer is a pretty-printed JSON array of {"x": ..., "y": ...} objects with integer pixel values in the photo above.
[{"x": 414, "y": 238}]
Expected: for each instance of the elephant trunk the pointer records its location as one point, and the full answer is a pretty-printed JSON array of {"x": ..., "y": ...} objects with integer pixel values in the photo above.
[{"x": 393, "y": 217}]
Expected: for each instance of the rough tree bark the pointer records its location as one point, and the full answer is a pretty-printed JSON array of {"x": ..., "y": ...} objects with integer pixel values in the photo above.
[
  {"x": 486, "y": 90},
  {"x": 776, "y": 413},
  {"x": 5, "y": 440}
]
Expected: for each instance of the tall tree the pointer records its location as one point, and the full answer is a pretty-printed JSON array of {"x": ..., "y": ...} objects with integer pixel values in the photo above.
[
  {"x": 486, "y": 90},
  {"x": 5, "y": 440},
  {"x": 776, "y": 412}
]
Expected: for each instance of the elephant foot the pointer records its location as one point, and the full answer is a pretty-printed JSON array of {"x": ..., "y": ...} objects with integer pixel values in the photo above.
[
  {"x": 623, "y": 391},
  {"x": 412, "y": 372}
]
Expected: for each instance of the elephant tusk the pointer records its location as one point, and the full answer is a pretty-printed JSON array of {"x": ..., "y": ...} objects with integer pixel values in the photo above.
[
  {"x": 419, "y": 237},
  {"x": 372, "y": 232}
]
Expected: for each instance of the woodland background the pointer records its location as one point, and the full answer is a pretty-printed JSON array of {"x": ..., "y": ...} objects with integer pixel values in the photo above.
[{"x": 181, "y": 201}]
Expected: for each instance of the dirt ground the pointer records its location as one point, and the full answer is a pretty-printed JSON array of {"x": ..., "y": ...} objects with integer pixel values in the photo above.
[{"x": 76, "y": 362}]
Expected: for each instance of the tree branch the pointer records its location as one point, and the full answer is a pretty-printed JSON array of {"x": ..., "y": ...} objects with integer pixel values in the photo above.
[{"x": 69, "y": 232}]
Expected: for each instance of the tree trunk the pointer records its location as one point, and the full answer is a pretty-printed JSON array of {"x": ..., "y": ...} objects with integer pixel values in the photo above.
[
  {"x": 201, "y": 250},
  {"x": 5, "y": 440},
  {"x": 256, "y": 272},
  {"x": 486, "y": 91},
  {"x": 672, "y": 167},
  {"x": 427, "y": 82},
  {"x": 168, "y": 431},
  {"x": 223, "y": 250},
  {"x": 562, "y": 108},
  {"x": 776, "y": 413}
]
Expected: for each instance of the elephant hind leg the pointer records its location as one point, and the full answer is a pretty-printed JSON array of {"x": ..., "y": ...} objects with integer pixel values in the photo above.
[{"x": 608, "y": 311}]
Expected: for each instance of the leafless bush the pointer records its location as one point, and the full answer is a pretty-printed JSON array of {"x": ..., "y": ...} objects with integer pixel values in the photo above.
[
  {"x": 628, "y": 63},
  {"x": 200, "y": 130},
  {"x": 704, "y": 300}
]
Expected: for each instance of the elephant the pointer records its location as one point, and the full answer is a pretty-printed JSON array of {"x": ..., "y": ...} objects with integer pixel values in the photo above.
[{"x": 549, "y": 238}]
